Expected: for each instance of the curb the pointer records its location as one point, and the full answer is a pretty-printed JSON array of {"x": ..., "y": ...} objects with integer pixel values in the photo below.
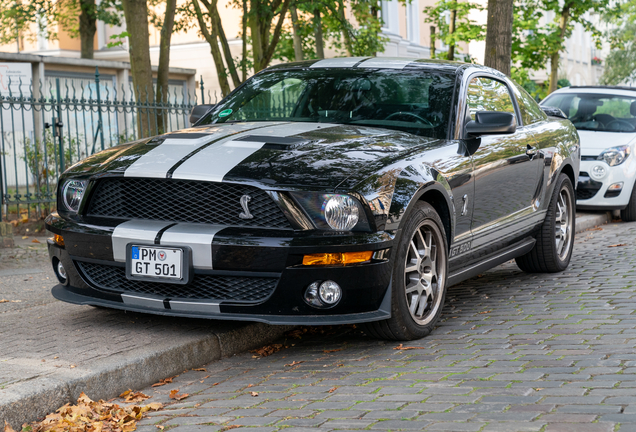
[
  {"x": 35, "y": 399},
  {"x": 585, "y": 221}
]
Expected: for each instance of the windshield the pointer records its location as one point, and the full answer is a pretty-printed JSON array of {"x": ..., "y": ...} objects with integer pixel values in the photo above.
[
  {"x": 597, "y": 112},
  {"x": 413, "y": 101}
]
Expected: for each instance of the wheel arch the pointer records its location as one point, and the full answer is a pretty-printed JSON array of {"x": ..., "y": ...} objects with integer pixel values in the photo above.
[
  {"x": 436, "y": 198},
  {"x": 569, "y": 171}
]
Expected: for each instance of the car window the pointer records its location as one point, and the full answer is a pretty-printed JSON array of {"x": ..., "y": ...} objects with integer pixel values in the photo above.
[
  {"x": 597, "y": 112},
  {"x": 418, "y": 102},
  {"x": 485, "y": 94},
  {"x": 530, "y": 111}
]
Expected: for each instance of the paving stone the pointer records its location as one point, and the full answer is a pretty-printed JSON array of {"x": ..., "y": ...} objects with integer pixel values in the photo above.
[
  {"x": 455, "y": 427},
  {"x": 513, "y": 426},
  {"x": 579, "y": 427},
  {"x": 388, "y": 425}
]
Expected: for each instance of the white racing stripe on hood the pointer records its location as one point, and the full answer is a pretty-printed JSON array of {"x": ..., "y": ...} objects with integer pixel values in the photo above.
[
  {"x": 197, "y": 236},
  {"x": 140, "y": 231},
  {"x": 158, "y": 161},
  {"x": 215, "y": 161}
]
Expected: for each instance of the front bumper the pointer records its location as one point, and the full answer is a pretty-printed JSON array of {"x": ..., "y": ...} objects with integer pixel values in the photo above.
[
  {"x": 267, "y": 263},
  {"x": 592, "y": 194}
]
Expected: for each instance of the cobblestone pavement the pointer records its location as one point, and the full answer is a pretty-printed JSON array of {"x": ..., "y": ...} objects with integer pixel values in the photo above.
[{"x": 513, "y": 352}]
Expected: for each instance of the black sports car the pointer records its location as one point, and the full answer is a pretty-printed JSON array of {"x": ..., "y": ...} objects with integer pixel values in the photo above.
[{"x": 352, "y": 190}]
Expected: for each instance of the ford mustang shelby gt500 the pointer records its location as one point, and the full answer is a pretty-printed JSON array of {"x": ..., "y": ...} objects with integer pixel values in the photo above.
[{"x": 350, "y": 190}]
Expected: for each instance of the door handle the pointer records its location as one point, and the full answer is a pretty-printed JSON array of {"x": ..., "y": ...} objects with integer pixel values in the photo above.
[{"x": 531, "y": 151}]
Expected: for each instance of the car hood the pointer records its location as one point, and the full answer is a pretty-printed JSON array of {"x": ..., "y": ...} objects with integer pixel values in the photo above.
[
  {"x": 593, "y": 142},
  {"x": 274, "y": 154}
]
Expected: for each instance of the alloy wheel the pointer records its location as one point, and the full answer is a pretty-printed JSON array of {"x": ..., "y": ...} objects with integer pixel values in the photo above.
[
  {"x": 424, "y": 273},
  {"x": 563, "y": 224}
]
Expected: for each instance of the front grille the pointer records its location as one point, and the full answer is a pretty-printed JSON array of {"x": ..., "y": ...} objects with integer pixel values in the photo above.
[
  {"x": 203, "y": 287},
  {"x": 587, "y": 187},
  {"x": 183, "y": 201}
]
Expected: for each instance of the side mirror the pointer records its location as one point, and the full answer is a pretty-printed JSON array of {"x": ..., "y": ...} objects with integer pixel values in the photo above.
[
  {"x": 553, "y": 112},
  {"x": 199, "y": 111},
  {"x": 492, "y": 123}
]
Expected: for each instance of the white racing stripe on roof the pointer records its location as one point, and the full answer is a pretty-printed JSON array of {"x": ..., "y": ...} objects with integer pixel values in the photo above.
[
  {"x": 215, "y": 161},
  {"x": 338, "y": 62},
  {"x": 141, "y": 231},
  {"x": 198, "y": 237},
  {"x": 386, "y": 63},
  {"x": 157, "y": 162}
]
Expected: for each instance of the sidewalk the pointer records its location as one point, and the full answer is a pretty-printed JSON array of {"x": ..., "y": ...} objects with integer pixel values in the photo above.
[{"x": 51, "y": 351}]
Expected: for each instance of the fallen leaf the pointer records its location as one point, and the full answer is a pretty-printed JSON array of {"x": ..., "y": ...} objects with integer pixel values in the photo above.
[
  {"x": 206, "y": 377},
  {"x": 200, "y": 369},
  {"x": 160, "y": 427},
  {"x": 250, "y": 385},
  {"x": 174, "y": 394},
  {"x": 25, "y": 237},
  {"x": 485, "y": 312},
  {"x": 254, "y": 394},
  {"x": 4, "y": 301},
  {"x": 215, "y": 384},
  {"x": 7, "y": 427},
  {"x": 617, "y": 245},
  {"x": 73, "y": 366},
  {"x": 294, "y": 363},
  {"x": 56, "y": 357},
  {"x": 405, "y": 348},
  {"x": 267, "y": 350},
  {"x": 35, "y": 241},
  {"x": 333, "y": 389},
  {"x": 163, "y": 382},
  {"x": 131, "y": 396},
  {"x": 232, "y": 427},
  {"x": 333, "y": 350}
]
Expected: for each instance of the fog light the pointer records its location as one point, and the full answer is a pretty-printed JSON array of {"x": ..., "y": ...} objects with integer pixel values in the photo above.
[
  {"x": 598, "y": 172},
  {"x": 330, "y": 292},
  {"x": 339, "y": 258},
  {"x": 60, "y": 271},
  {"x": 58, "y": 240},
  {"x": 323, "y": 295}
]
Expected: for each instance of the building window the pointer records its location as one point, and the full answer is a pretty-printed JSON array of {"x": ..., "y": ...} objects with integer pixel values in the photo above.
[{"x": 412, "y": 22}]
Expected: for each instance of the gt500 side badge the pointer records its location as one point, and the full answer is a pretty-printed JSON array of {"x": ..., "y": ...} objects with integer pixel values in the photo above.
[
  {"x": 245, "y": 214},
  {"x": 465, "y": 247}
]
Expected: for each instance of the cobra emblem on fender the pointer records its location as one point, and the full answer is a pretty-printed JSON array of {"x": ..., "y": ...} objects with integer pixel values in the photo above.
[{"x": 245, "y": 214}]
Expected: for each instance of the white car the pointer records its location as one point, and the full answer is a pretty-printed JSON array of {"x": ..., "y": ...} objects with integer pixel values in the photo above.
[{"x": 605, "y": 118}]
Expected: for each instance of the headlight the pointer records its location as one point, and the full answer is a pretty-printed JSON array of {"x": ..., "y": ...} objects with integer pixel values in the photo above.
[
  {"x": 614, "y": 155},
  {"x": 341, "y": 212},
  {"x": 72, "y": 194},
  {"x": 333, "y": 211}
]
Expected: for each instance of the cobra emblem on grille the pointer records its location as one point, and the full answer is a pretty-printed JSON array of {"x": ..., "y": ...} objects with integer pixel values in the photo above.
[{"x": 245, "y": 214}]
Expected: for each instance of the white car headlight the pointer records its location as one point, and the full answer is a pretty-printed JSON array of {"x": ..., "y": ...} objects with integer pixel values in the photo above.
[
  {"x": 72, "y": 194},
  {"x": 341, "y": 212},
  {"x": 615, "y": 155}
]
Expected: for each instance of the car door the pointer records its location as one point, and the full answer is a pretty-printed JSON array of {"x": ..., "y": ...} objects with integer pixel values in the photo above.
[{"x": 506, "y": 170}]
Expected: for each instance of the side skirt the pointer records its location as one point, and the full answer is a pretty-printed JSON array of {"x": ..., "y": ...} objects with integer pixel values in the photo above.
[{"x": 509, "y": 253}]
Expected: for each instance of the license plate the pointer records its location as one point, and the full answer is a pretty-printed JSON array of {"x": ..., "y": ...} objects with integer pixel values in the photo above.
[{"x": 155, "y": 263}]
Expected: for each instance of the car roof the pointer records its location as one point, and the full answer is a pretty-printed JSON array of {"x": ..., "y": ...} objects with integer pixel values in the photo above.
[
  {"x": 614, "y": 90},
  {"x": 403, "y": 63}
]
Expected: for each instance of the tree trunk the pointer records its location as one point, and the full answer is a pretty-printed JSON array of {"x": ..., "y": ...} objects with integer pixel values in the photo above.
[
  {"x": 212, "y": 39},
  {"x": 499, "y": 35},
  {"x": 433, "y": 40},
  {"x": 225, "y": 45},
  {"x": 164, "y": 61},
  {"x": 244, "y": 47},
  {"x": 555, "y": 57},
  {"x": 320, "y": 50},
  {"x": 87, "y": 28},
  {"x": 298, "y": 46},
  {"x": 136, "y": 14},
  {"x": 346, "y": 36},
  {"x": 255, "y": 30},
  {"x": 451, "y": 30}
]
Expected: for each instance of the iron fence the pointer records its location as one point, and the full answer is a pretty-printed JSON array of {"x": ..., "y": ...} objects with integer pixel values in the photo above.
[{"x": 47, "y": 127}]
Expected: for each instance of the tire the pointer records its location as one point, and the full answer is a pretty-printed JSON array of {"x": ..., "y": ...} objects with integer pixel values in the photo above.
[
  {"x": 414, "y": 274},
  {"x": 628, "y": 214},
  {"x": 555, "y": 241}
]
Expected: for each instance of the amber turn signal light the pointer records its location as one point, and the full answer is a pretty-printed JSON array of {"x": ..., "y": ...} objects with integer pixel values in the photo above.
[
  {"x": 58, "y": 239},
  {"x": 339, "y": 258}
]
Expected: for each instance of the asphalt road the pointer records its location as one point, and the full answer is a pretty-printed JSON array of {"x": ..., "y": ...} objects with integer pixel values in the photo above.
[{"x": 513, "y": 352}]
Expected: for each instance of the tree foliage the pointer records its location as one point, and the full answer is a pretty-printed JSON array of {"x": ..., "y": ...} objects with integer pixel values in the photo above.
[
  {"x": 464, "y": 28},
  {"x": 620, "y": 64}
]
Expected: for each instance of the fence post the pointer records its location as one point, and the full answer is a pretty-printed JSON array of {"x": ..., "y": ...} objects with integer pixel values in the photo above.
[
  {"x": 202, "y": 94},
  {"x": 57, "y": 125},
  {"x": 99, "y": 109}
]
